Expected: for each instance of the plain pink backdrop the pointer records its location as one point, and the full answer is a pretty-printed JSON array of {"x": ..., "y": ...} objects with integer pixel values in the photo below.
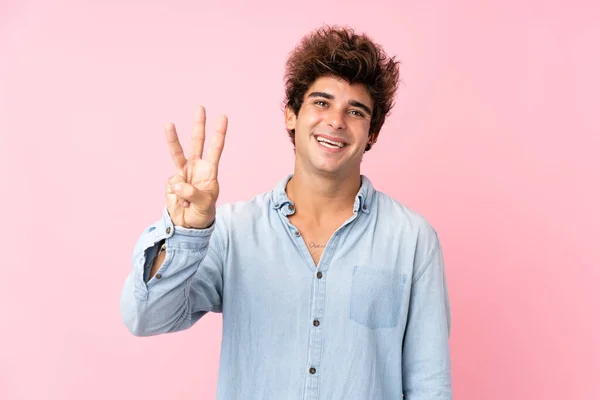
[{"x": 494, "y": 138}]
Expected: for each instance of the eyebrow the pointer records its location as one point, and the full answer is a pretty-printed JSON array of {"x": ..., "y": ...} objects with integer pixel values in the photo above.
[{"x": 353, "y": 103}]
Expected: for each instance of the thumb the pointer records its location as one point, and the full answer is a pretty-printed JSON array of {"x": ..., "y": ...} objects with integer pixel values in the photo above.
[
  {"x": 174, "y": 182},
  {"x": 188, "y": 192}
]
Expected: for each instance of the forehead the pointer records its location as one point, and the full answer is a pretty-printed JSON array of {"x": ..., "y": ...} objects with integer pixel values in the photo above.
[{"x": 341, "y": 90}]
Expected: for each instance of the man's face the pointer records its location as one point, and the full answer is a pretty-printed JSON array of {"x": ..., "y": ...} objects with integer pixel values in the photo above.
[{"x": 332, "y": 126}]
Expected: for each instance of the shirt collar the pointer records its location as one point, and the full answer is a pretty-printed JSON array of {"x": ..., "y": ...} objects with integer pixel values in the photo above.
[{"x": 363, "y": 200}]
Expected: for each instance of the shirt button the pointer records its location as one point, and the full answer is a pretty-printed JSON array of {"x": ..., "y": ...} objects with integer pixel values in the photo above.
[
  {"x": 291, "y": 207},
  {"x": 168, "y": 230},
  {"x": 312, "y": 370},
  {"x": 297, "y": 233},
  {"x": 319, "y": 275},
  {"x": 158, "y": 276},
  {"x": 316, "y": 322},
  {"x": 364, "y": 206}
]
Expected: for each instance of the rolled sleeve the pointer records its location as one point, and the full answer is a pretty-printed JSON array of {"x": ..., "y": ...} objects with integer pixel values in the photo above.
[{"x": 186, "y": 286}]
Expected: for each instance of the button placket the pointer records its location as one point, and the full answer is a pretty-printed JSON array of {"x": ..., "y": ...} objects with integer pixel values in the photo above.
[{"x": 316, "y": 334}]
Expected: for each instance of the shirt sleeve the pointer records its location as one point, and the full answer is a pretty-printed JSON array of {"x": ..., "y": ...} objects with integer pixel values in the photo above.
[
  {"x": 187, "y": 286},
  {"x": 426, "y": 363}
]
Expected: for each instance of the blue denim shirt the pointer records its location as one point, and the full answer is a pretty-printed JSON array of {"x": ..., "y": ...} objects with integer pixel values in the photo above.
[{"x": 370, "y": 322}]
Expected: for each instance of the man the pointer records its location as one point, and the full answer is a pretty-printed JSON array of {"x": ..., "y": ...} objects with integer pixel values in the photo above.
[{"x": 328, "y": 288}]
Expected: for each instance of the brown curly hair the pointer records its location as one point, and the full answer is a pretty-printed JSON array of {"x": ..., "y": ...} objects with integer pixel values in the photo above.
[{"x": 339, "y": 52}]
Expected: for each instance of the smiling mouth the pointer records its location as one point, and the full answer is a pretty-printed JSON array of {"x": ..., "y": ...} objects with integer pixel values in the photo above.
[{"x": 330, "y": 143}]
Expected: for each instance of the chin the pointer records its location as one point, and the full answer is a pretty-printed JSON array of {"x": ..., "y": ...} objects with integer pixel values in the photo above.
[
  {"x": 324, "y": 165},
  {"x": 329, "y": 169}
]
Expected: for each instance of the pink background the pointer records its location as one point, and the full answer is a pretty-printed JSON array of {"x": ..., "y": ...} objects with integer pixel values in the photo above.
[{"x": 495, "y": 139}]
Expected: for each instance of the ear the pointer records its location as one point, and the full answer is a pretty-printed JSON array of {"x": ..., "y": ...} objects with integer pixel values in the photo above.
[
  {"x": 290, "y": 119},
  {"x": 373, "y": 138}
]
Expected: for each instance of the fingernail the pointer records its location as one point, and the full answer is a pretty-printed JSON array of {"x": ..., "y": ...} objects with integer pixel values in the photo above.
[{"x": 177, "y": 187}]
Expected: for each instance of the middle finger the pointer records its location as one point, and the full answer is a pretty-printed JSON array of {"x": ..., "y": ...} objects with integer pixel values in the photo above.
[{"x": 199, "y": 134}]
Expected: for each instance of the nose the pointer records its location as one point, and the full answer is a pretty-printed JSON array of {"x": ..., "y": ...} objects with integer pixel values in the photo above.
[{"x": 335, "y": 119}]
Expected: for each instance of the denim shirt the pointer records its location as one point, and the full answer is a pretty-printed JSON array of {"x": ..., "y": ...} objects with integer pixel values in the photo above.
[{"x": 370, "y": 322}]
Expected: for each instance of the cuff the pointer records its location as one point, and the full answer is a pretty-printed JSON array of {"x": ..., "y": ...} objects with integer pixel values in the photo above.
[{"x": 180, "y": 237}]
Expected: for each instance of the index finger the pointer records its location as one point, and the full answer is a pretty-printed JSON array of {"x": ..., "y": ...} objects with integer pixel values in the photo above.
[{"x": 217, "y": 142}]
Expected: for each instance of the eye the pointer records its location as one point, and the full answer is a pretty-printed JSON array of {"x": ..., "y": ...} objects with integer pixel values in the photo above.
[
  {"x": 321, "y": 103},
  {"x": 357, "y": 113}
]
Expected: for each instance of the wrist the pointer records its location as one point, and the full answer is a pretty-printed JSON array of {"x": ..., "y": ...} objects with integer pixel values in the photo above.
[{"x": 203, "y": 226}]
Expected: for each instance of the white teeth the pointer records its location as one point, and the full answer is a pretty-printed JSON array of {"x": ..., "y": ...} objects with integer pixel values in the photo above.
[{"x": 330, "y": 143}]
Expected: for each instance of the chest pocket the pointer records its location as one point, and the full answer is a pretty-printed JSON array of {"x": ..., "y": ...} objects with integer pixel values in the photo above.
[{"x": 375, "y": 298}]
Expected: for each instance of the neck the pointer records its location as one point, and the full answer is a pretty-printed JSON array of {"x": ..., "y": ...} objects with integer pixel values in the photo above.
[{"x": 318, "y": 196}]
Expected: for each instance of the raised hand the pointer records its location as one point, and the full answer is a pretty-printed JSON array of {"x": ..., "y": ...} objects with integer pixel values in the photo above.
[{"x": 193, "y": 191}]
